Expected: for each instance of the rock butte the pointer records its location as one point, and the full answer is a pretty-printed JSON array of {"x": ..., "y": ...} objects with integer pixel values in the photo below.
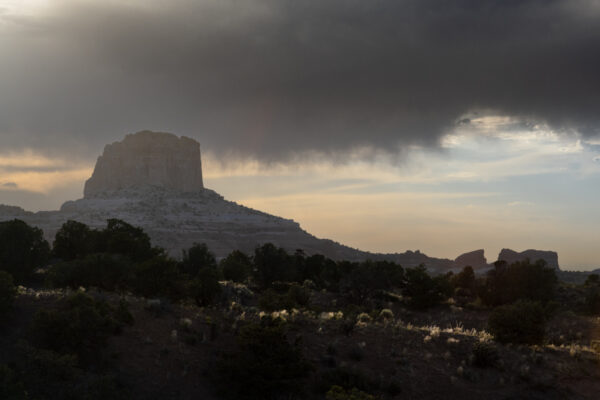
[
  {"x": 154, "y": 180},
  {"x": 511, "y": 256},
  {"x": 475, "y": 259},
  {"x": 147, "y": 158}
]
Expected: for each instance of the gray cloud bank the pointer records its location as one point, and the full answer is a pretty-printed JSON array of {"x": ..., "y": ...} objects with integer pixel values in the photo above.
[{"x": 268, "y": 78}]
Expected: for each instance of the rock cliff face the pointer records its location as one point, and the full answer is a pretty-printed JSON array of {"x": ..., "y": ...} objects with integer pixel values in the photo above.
[
  {"x": 147, "y": 158},
  {"x": 475, "y": 259},
  {"x": 511, "y": 256}
]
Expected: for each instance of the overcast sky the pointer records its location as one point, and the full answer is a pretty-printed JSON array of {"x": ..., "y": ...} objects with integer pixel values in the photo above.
[{"x": 388, "y": 125}]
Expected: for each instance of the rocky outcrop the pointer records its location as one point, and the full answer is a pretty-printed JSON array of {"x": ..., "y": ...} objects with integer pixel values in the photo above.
[
  {"x": 410, "y": 259},
  {"x": 14, "y": 211},
  {"x": 147, "y": 159},
  {"x": 475, "y": 259},
  {"x": 511, "y": 256}
]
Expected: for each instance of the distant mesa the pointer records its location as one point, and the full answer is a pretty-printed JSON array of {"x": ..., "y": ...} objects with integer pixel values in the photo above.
[
  {"x": 511, "y": 256},
  {"x": 154, "y": 180},
  {"x": 147, "y": 159},
  {"x": 475, "y": 259}
]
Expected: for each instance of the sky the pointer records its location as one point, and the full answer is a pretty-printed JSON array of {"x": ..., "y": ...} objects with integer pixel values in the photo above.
[{"x": 387, "y": 125}]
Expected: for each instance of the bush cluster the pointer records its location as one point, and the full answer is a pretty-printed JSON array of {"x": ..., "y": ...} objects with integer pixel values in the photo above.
[
  {"x": 591, "y": 300},
  {"x": 523, "y": 322},
  {"x": 423, "y": 290},
  {"x": 11, "y": 388},
  {"x": 46, "y": 374},
  {"x": 295, "y": 297},
  {"x": 265, "y": 365},
  {"x": 109, "y": 272},
  {"x": 64, "y": 357},
  {"x": 22, "y": 249},
  {"x": 506, "y": 284},
  {"x": 485, "y": 354},
  {"x": 8, "y": 291},
  {"x": 121, "y": 258},
  {"x": 236, "y": 267},
  {"x": 80, "y": 325}
]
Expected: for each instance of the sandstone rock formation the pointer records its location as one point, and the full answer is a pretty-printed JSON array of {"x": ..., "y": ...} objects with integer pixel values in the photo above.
[
  {"x": 475, "y": 259},
  {"x": 511, "y": 256},
  {"x": 147, "y": 158}
]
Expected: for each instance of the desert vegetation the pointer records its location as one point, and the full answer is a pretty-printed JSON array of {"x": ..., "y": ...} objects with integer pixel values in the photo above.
[{"x": 104, "y": 314}]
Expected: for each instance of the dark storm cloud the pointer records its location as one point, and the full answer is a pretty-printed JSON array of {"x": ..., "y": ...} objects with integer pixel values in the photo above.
[{"x": 268, "y": 78}]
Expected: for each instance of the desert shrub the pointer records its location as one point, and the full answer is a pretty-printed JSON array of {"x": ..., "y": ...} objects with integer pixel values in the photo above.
[
  {"x": 591, "y": 300},
  {"x": 66, "y": 274},
  {"x": 11, "y": 388},
  {"x": 345, "y": 378},
  {"x": 423, "y": 290},
  {"x": 197, "y": 258},
  {"x": 47, "y": 374},
  {"x": 299, "y": 296},
  {"x": 368, "y": 278},
  {"x": 361, "y": 282},
  {"x": 122, "y": 313},
  {"x": 333, "y": 273},
  {"x": 485, "y": 354},
  {"x": 74, "y": 240},
  {"x": 108, "y": 272},
  {"x": 521, "y": 322},
  {"x": 312, "y": 267},
  {"x": 104, "y": 271},
  {"x": 265, "y": 365},
  {"x": 444, "y": 286},
  {"x": 464, "y": 284},
  {"x": 81, "y": 325},
  {"x": 465, "y": 279},
  {"x": 386, "y": 315},
  {"x": 205, "y": 287},
  {"x": 521, "y": 280},
  {"x": 272, "y": 264},
  {"x": 270, "y": 300},
  {"x": 128, "y": 240},
  {"x": 156, "y": 277},
  {"x": 364, "y": 317},
  {"x": 592, "y": 280},
  {"x": 8, "y": 292},
  {"x": 22, "y": 249},
  {"x": 339, "y": 393},
  {"x": 295, "y": 297},
  {"x": 236, "y": 267},
  {"x": 132, "y": 242}
]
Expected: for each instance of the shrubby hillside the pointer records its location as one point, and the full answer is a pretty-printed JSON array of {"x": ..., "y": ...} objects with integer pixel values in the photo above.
[{"x": 105, "y": 314}]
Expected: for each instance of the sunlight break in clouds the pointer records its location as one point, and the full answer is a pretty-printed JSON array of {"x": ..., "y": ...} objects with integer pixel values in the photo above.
[
  {"x": 33, "y": 172},
  {"x": 477, "y": 191}
]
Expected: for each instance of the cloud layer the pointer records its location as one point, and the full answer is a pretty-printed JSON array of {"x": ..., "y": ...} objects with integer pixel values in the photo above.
[{"x": 271, "y": 78}]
